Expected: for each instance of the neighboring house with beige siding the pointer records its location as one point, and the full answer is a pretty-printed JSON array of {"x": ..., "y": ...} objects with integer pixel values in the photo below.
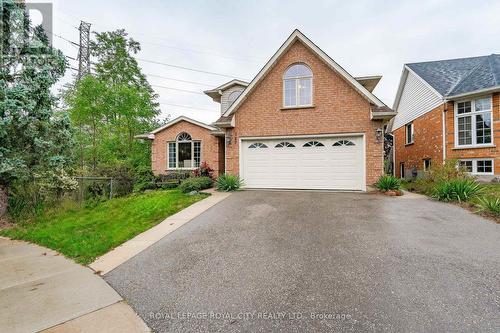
[
  {"x": 448, "y": 109},
  {"x": 302, "y": 123}
]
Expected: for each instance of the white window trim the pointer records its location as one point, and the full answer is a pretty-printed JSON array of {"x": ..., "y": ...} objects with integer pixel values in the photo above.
[
  {"x": 412, "y": 134},
  {"x": 296, "y": 79},
  {"x": 474, "y": 165},
  {"x": 473, "y": 114},
  {"x": 177, "y": 154}
]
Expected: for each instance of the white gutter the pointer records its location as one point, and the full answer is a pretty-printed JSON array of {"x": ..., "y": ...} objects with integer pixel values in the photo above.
[
  {"x": 444, "y": 128},
  {"x": 476, "y": 92}
]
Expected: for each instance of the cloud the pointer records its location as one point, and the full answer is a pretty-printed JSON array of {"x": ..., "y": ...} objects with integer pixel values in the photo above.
[{"x": 238, "y": 37}]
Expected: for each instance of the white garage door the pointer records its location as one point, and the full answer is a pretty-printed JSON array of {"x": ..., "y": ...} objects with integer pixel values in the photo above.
[{"x": 305, "y": 163}]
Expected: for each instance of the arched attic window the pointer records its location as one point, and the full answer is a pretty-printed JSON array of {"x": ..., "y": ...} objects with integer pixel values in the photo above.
[
  {"x": 232, "y": 97},
  {"x": 297, "y": 86}
]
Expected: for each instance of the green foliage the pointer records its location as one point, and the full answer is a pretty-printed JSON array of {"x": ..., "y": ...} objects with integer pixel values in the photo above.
[
  {"x": 35, "y": 139},
  {"x": 85, "y": 233},
  {"x": 439, "y": 173},
  {"x": 25, "y": 200},
  {"x": 445, "y": 172},
  {"x": 195, "y": 184},
  {"x": 490, "y": 204},
  {"x": 109, "y": 108},
  {"x": 456, "y": 190},
  {"x": 388, "y": 183},
  {"x": 144, "y": 179},
  {"x": 227, "y": 182}
]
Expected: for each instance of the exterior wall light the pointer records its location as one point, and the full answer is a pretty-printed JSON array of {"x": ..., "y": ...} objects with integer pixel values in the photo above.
[{"x": 378, "y": 134}]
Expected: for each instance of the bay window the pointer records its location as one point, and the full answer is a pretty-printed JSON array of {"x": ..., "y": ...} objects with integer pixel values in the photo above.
[
  {"x": 473, "y": 122},
  {"x": 184, "y": 153}
]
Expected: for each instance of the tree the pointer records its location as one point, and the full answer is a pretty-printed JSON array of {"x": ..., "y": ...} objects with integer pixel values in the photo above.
[
  {"x": 34, "y": 137},
  {"x": 112, "y": 105}
]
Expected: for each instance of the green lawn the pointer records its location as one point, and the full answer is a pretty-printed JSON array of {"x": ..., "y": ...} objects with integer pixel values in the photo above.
[
  {"x": 492, "y": 190},
  {"x": 85, "y": 233}
]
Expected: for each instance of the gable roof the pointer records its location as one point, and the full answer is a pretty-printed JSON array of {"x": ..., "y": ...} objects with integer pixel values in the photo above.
[
  {"x": 215, "y": 93},
  {"x": 297, "y": 35},
  {"x": 151, "y": 135},
  {"x": 455, "y": 77}
]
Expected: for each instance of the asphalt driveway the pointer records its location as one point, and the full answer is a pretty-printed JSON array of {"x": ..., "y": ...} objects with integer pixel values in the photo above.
[{"x": 310, "y": 261}]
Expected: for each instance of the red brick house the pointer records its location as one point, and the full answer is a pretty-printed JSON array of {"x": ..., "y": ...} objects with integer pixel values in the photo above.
[
  {"x": 448, "y": 109},
  {"x": 302, "y": 123}
]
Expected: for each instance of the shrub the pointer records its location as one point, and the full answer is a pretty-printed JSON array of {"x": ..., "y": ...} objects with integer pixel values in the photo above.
[
  {"x": 388, "y": 183},
  {"x": 227, "y": 183},
  {"x": 456, "y": 190},
  {"x": 123, "y": 177},
  {"x": 446, "y": 172},
  {"x": 195, "y": 184},
  {"x": 143, "y": 179},
  {"x": 490, "y": 204},
  {"x": 204, "y": 170}
]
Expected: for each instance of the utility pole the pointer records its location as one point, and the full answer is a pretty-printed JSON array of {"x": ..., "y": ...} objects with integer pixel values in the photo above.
[{"x": 84, "y": 50}]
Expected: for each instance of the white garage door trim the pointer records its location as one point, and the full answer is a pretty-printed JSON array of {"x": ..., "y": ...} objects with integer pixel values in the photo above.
[{"x": 332, "y": 135}]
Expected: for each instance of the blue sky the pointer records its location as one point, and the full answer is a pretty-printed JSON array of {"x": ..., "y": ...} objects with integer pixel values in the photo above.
[{"x": 236, "y": 38}]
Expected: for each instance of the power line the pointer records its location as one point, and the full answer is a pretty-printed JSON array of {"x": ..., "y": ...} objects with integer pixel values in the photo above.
[
  {"x": 188, "y": 107},
  {"x": 201, "y": 51},
  {"x": 177, "y": 89},
  {"x": 165, "y": 64},
  {"x": 197, "y": 51},
  {"x": 64, "y": 38},
  {"x": 179, "y": 80},
  {"x": 185, "y": 68}
]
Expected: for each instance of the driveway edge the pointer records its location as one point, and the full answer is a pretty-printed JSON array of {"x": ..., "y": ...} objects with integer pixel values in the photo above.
[{"x": 139, "y": 243}]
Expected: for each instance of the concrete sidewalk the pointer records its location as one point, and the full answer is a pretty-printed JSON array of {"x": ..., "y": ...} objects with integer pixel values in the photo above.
[{"x": 40, "y": 289}]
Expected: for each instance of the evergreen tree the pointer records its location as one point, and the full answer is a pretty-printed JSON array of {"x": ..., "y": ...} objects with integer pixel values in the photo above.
[{"x": 35, "y": 138}]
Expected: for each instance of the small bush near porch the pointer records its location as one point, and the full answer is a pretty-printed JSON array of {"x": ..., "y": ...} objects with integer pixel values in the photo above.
[{"x": 85, "y": 233}]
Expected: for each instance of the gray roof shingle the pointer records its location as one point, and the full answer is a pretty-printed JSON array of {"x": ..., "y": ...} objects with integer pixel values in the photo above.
[{"x": 460, "y": 76}]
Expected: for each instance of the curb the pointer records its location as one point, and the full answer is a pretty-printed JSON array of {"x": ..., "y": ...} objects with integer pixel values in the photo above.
[{"x": 139, "y": 243}]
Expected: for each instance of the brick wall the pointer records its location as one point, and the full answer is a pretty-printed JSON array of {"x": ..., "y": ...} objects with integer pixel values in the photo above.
[
  {"x": 338, "y": 108},
  {"x": 209, "y": 145},
  {"x": 427, "y": 142},
  {"x": 493, "y": 152}
]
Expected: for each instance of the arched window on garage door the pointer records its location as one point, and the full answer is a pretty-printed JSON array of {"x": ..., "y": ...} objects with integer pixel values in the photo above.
[
  {"x": 313, "y": 144},
  {"x": 341, "y": 143}
]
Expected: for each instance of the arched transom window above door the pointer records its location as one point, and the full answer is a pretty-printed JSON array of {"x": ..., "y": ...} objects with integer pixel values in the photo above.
[
  {"x": 297, "y": 86},
  {"x": 184, "y": 153}
]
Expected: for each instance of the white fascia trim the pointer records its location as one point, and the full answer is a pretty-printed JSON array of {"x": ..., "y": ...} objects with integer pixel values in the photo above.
[
  {"x": 183, "y": 118},
  {"x": 305, "y": 136},
  {"x": 402, "y": 81},
  {"x": 226, "y": 85},
  {"x": 147, "y": 136},
  {"x": 297, "y": 35},
  {"x": 475, "y": 92},
  {"x": 382, "y": 115},
  {"x": 368, "y": 77}
]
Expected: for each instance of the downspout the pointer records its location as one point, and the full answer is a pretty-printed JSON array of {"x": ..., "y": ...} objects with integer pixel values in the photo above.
[
  {"x": 393, "y": 154},
  {"x": 445, "y": 109}
]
